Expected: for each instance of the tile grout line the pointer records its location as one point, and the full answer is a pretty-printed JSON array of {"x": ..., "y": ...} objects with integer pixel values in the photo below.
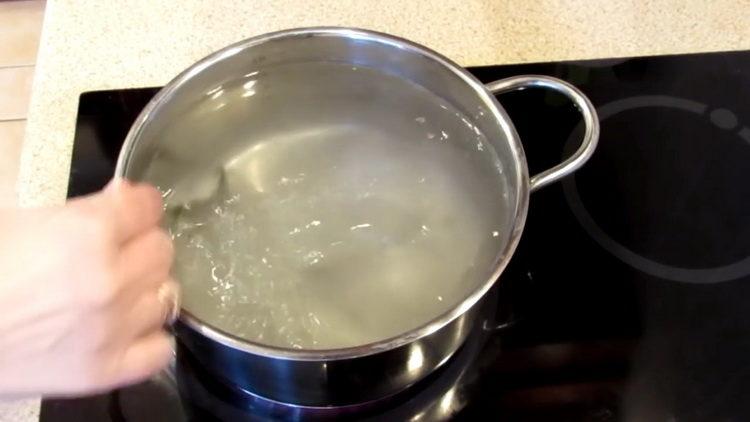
[
  {"x": 16, "y": 118},
  {"x": 16, "y": 66}
]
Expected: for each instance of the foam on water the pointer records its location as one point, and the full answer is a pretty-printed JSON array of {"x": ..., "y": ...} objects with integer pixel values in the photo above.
[{"x": 332, "y": 220}]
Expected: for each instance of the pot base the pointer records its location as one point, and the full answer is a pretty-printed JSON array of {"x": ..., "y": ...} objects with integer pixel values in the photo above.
[{"x": 205, "y": 396}]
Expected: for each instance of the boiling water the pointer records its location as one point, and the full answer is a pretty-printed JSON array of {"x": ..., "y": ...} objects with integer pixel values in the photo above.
[{"x": 331, "y": 214}]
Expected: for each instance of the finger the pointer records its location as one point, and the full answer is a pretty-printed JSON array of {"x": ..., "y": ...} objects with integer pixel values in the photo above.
[
  {"x": 135, "y": 207},
  {"x": 169, "y": 296},
  {"x": 146, "y": 357},
  {"x": 145, "y": 261},
  {"x": 150, "y": 312}
]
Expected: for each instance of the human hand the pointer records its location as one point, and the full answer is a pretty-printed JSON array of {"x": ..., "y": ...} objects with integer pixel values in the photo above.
[{"x": 80, "y": 308}]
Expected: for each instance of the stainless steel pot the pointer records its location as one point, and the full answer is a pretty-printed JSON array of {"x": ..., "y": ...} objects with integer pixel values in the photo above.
[{"x": 372, "y": 371}]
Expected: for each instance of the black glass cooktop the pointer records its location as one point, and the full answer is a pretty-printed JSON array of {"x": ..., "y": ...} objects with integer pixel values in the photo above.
[{"x": 628, "y": 297}]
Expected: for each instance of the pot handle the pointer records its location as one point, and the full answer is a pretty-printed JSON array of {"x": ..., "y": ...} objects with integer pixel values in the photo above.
[{"x": 588, "y": 112}]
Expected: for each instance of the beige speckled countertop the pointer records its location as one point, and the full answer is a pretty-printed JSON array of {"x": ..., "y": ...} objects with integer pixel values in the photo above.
[{"x": 91, "y": 44}]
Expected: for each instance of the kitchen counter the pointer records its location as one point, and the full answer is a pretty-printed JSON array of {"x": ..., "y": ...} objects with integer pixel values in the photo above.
[{"x": 88, "y": 45}]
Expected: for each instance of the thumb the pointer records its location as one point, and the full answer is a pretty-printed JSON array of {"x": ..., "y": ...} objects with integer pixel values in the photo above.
[{"x": 133, "y": 207}]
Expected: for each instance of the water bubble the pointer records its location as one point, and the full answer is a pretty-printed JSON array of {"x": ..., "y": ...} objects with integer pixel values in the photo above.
[{"x": 313, "y": 257}]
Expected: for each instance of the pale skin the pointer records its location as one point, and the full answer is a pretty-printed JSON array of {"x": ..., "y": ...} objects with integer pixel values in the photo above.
[{"x": 80, "y": 311}]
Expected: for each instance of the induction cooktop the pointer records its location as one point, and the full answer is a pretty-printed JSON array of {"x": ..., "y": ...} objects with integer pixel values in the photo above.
[{"x": 626, "y": 299}]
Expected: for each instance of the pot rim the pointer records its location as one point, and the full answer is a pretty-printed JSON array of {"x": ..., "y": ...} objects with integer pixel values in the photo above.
[{"x": 424, "y": 330}]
